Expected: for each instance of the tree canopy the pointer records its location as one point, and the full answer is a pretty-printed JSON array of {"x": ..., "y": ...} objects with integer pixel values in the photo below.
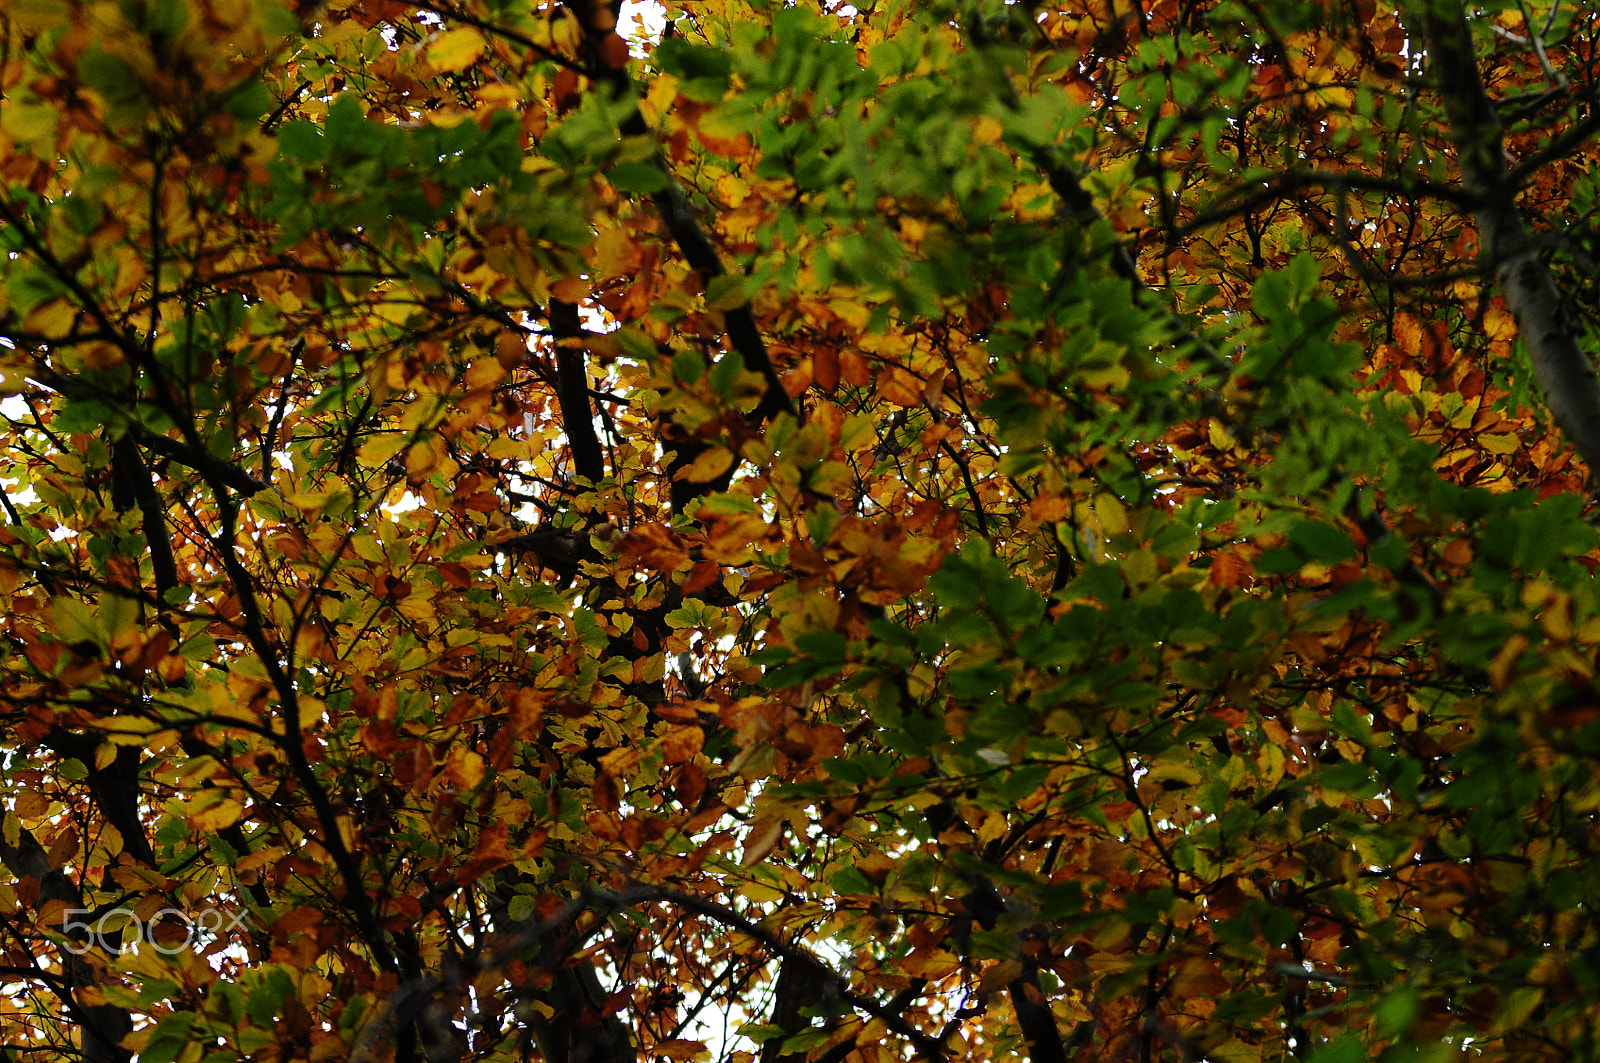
[{"x": 927, "y": 530}]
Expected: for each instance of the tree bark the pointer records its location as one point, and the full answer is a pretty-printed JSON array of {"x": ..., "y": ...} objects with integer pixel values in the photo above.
[
  {"x": 578, "y": 1030},
  {"x": 802, "y": 988},
  {"x": 131, "y": 485}
]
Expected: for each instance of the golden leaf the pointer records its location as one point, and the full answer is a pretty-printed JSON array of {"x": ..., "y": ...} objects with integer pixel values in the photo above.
[
  {"x": 682, "y": 743},
  {"x": 212, "y": 809},
  {"x": 570, "y": 289},
  {"x": 707, "y": 466},
  {"x": 455, "y": 50}
]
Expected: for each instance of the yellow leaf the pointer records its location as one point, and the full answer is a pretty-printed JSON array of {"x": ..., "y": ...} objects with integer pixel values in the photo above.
[
  {"x": 1111, "y": 376},
  {"x": 484, "y": 373},
  {"x": 614, "y": 252},
  {"x": 1556, "y": 617},
  {"x": 650, "y": 669},
  {"x": 35, "y": 16},
  {"x": 732, "y": 190},
  {"x": 1505, "y": 660},
  {"x": 1176, "y": 773},
  {"x": 310, "y": 502},
  {"x": 73, "y": 622},
  {"x": 52, "y": 319},
  {"x": 368, "y": 549},
  {"x": 1111, "y": 515},
  {"x": 27, "y": 122},
  {"x": 380, "y": 448},
  {"x": 1235, "y": 1052},
  {"x": 448, "y": 118},
  {"x": 465, "y": 767},
  {"x": 988, "y": 130},
  {"x": 901, "y": 388},
  {"x": 1498, "y": 324},
  {"x": 931, "y": 964},
  {"x": 423, "y": 458},
  {"x": 1516, "y": 1009},
  {"x": 311, "y": 711},
  {"x": 127, "y": 725},
  {"x": 621, "y": 762},
  {"x": 1408, "y": 333},
  {"x": 1048, "y": 507},
  {"x": 851, "y": 311},
  {"x": 212, "y": 809},
  {"x": 707, "y": 466},
  {"x": 1272, "y": 764},
  {"x": 457, "y": 49},
  {"x": 31, "y": 803}
]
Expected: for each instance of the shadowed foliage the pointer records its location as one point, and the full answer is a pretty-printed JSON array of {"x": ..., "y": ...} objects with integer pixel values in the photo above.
[{"x": 798, "y": 532}]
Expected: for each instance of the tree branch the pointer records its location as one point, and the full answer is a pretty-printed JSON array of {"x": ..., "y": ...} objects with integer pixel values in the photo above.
[
  {"x": 926, "y": 1046},
  {"x": 572, "y": 390},
  {"x": 674, "y": 207},
  {"x": 1546, "y": 324},
  {"x": 225, "y": 472}
]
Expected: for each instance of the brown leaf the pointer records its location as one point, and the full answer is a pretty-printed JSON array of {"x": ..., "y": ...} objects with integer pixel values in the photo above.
[{"x": 762, "y": 839}]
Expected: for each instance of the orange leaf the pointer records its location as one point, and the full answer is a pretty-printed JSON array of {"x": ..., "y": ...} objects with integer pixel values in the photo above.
[
  {"x": 825, "y": 368},
  {"x": 901, "y": 388},
  {"x": 703, "y": 575},
  {"x": 682, "y": 743},
  {"x": 853, "y": 367},
  {"x": 1230, "y": 570}
]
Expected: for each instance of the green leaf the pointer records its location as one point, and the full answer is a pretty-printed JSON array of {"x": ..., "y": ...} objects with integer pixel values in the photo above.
[
  {"x": 688, "y": 365},
  {"x": 824, "y": 647},
  {"x": 641, "y": 178},
  {"x": 727, "y": 292},
  {"x": 301, "y": 140},
  {"x": 1347, "y": 1049},
  {"x": 725, "y": 374},
  {"x": 1396, "y": 1012},
  {"x": 1322, "y": 542}
]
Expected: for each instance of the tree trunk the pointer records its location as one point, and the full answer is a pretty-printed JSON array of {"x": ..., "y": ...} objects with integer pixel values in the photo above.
[
  {"x": 103, "y": 1026},
  {"x": 1546, "y": 324}
]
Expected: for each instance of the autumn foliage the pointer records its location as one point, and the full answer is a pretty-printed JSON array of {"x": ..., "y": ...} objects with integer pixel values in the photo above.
[{"x": 925, "y": 529}]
